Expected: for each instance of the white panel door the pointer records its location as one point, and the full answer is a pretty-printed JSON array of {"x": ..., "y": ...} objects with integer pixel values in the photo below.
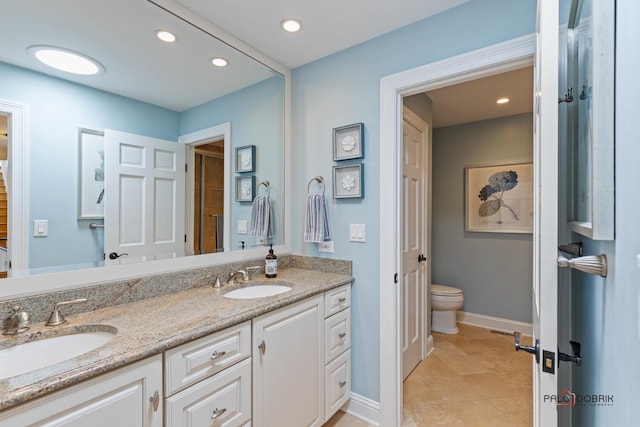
[
  {"x": 413, "y": 283},
  {"x": 144, "y": 198},
  {"x": 545, "y": 229}
]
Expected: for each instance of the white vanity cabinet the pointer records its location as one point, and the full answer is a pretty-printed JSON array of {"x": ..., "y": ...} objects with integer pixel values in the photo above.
[
  {"x": 128, "y": 396},
  {"x": 208, "y": 381},
  {"x": 288, "y": 365},
  {"x": 337, "y": 354}
]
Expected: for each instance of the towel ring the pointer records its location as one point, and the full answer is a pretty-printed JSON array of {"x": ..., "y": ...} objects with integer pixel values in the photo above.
[
  {"x": 320, "y": 180},
  {"x": 267, "y": 186}
]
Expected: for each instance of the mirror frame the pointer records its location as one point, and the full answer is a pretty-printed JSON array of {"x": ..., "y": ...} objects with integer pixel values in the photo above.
[
  {"x": 17, "y": 287},
  {"x": 602, "y": 222}
]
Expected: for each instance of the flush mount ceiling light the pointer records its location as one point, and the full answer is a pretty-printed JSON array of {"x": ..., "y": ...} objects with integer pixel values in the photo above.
[
  {"x": 166, "y": 36},
  {"x": 219, "y": 62},
  {"x": 502, "y": 100},
  {"x": 66, "y": 60},
  {"x": 291, "y": 25}
]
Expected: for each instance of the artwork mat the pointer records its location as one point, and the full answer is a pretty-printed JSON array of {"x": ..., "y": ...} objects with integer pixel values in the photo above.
[
  {"x": 356, "y": 130},
  {"x": 90, "y": 144},
  {"x": 519, "y": 198}
]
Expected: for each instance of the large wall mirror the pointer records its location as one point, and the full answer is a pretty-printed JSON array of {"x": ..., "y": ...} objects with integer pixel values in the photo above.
[
  {"x": 590, "y": 82},
  {"x": 148, "y": 89}
]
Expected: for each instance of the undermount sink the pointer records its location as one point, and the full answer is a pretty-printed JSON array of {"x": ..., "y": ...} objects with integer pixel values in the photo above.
[
  {"x": 51, "y": 349},
  {"x": 258, "y": 290}
]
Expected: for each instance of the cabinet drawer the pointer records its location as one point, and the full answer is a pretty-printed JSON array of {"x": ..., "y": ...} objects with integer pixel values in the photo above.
[
  {"x": 337, "y": 334},
  {"x": 222, "y": 400},
  {"x": 336, "y": 300},
  {"x": 337, "y": 384},
  {"x": 199, "y": 359}
]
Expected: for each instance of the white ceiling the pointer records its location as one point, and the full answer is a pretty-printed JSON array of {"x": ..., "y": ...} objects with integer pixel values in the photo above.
[{"x": 328, "y": 26}]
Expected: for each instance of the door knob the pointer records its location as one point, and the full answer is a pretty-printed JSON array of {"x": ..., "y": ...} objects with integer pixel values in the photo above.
[
  {"x": 535, "y": 350},
  {"x": 576, "y": 358}
]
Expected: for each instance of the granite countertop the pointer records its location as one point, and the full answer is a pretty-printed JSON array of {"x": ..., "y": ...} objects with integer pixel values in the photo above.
[{"x": 150, "y": 326}]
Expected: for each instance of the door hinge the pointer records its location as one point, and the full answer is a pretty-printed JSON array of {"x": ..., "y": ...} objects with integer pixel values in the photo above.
[
  {"x": 185, "y": 238},
  {"x": 186, "y": 167},
  {"x": 395, "y": 278}
]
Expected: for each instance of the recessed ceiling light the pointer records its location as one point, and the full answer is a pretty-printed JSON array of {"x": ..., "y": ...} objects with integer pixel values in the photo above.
[
  {"x": 502, "y": 100},
  {"x": 291, "y": 25},
  {"x": 66, "y": 60},
  {"x": 166, "y": 36},
  {"x": 219, "y": 62}
]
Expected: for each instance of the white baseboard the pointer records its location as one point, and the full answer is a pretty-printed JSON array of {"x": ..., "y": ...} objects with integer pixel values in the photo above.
[
  {"x": 495, "y": 323},
  {"x": 363, "y": 408},
  {"x": 429, "y": 345}
]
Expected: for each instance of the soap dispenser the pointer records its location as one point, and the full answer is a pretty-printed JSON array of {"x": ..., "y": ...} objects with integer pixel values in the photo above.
[{"x": 271, "y": 264}]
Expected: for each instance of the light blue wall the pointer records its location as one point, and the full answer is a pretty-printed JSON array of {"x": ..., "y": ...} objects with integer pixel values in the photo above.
[
  {"x": 606, "y": 310},
  {"x": 344, "y": 88},
  {"x": 57, "y": 108},
  {"x": 256, "y": 115},
  {"x": 493, "y": 270}
]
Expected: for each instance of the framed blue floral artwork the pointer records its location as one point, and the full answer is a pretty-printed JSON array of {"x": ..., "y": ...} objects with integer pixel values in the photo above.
[{"x": 499, "y": 198}]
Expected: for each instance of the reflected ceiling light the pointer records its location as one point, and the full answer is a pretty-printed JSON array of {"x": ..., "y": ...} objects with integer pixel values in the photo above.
[
  {"x": 219, "y": 62},
  {"x": 502, "y": 100},
  {"x": 166, "y": 36},
  {"x": 66, "y": 60},
  {"x": 291, "y": 25}
]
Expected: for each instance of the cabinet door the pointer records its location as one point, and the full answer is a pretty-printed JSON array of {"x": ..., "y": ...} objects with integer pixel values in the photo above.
[
  {"x": 288, "y": 353},
  {"x": 124, "y": 397}
]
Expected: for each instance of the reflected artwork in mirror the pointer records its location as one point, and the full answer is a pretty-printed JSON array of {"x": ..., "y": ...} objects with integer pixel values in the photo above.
[{"x": 145, "y": 87}]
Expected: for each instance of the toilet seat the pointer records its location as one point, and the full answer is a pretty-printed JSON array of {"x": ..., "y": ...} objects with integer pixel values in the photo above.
[{"x": 445, "y": 291}]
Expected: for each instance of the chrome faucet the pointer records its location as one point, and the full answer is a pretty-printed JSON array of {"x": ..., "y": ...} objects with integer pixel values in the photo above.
[
  {"x": 246, "y": 274},
  {"x": 18, "y": 322}
]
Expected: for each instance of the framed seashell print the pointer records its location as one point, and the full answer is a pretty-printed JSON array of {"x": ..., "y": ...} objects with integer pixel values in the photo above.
[
  {"x": 499, "y": 198},
  {"x": 348, "y": 142},
  {"x": 348, "y": 181}
]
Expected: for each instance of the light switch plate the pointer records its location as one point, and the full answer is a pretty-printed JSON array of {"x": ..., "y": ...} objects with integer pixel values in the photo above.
[
  {"x": 40, "y": 227},
  {"x": 326, "y": 247},
  {"x": 242, "y": 226},
  {"x": 357, "y": 233}
]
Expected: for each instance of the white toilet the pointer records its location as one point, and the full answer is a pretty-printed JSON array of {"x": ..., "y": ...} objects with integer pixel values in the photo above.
[{"x": 445, "y": 301}]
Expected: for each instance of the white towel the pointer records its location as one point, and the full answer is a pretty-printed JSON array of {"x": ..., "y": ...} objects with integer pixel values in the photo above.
[
  {"x": 261, "y": 225},
  {"x": 316, "y": 219}
]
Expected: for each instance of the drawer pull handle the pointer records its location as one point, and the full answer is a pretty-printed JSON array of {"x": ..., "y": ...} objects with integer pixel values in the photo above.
[
  {"x": 218, "y": 412},
  {"x": 217, "y": 355},
  {"x": 263, "y": 347},
  {"x": 342, "y": 384},
  {"x": 342, "y": 335},
  {"x": 155, "y": 401},
  {"x": 342, "y": 300}
]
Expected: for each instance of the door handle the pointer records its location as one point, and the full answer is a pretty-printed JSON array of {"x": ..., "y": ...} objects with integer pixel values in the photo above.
[
  {"x": 576, "y": 358},
  {"x": 115, "y": 255},
  {"x": 422, "y": 258}
]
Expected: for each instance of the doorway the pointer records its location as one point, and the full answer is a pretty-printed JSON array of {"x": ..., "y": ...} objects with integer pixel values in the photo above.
[
  {"x": 208, "y": 215},
  {"x": 485, "y": 62},
  {"x": 4, "y": 216}
]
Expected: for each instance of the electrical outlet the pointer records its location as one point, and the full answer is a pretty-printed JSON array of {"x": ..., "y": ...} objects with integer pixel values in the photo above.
[
  {"x": 326, "y": 247},
  {"x": 261, "y": 241}
]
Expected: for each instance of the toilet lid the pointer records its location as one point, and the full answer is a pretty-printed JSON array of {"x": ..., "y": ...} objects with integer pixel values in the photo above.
[{"x": 444, "y": 290}]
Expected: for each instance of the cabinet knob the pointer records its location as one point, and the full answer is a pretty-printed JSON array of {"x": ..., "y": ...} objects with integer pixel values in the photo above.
[
  {"x": 342, "y": 335},
  {"x": 217, "y": 413},
  {"x": 263, "y": 347},
  {"x": 155, "y": 401},
  {"x": 342, "y": 384},
  {"x": 217, "y": 355}
]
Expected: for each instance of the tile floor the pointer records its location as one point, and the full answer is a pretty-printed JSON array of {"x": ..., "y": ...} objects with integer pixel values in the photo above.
[{"x": 472, "y": 379}]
